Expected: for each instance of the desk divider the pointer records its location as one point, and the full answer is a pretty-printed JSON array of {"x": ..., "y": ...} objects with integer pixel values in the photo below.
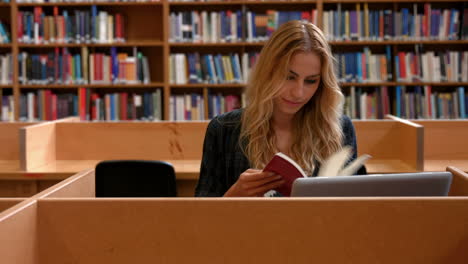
[
  {"x": 18, "y": 224},
  {"x": 54, "y": 226},
  {"x": 6, "y": 203},
  {"x": 445, "y": 144},
  {"x": 394, "y": 144},
  {"x": 127, "y": 140},
  {"x": 38, "y": 143},
  {"x": 255, "y": 230},
  {"x": 459, "y": 185}
]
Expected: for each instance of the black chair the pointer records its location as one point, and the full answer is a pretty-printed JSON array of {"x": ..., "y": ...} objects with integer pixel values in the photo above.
[{"x": 135, "y": 178}]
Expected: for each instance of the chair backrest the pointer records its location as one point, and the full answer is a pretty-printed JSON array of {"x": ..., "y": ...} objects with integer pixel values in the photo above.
[{"x": 135, "y": 178}]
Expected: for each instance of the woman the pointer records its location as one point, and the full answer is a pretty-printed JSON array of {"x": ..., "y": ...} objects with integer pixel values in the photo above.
[{"x": 294, "y": 106}]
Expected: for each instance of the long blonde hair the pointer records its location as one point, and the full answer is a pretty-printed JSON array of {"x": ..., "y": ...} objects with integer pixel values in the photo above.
[{"x": 316, "y": 131}]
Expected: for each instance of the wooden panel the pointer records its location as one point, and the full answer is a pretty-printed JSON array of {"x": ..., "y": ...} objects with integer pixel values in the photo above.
[
  {"x": 18, "y": 233},
  {"x": 445, "y": 144},
  {"x": 9, "y": 140},
  {"x": 411, "y": 137},
  {"x": 79, "y": 185},
  {"x": 445, "y": 140},
  {"x": 459, "y": 185},
  {"x": 43, "y": 185},
  {"x": 18, "y": 188},
  {"x": 6, "y": 203},
  {"x": 377, "y": 138},
  {"x": 276, "y": 230},
  {"x": 440, "y": 165},
  {"x": 150, "y": 141},
  {"x": 37, "y": 145},
  {"x": 186, "y": 188}
]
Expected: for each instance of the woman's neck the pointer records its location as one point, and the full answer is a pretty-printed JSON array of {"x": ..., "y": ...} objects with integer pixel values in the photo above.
[{"x": 282, "y": 122}]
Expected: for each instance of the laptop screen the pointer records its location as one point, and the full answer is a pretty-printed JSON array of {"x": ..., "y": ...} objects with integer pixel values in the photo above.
[{"x": 400, "y": 184}]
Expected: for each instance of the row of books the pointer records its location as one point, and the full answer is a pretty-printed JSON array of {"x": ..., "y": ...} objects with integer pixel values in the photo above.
[
  {"x": 219, "y": 103},
  {"x": 4, "y": 33},
  {"x": 83, "y": 27},
  {"x": 208, "y": 68},
  {"x": 364, "y": 66},
  {"x": 451, "y": 66},
  {"x": 192, "y": 107},
  {"x": 84, "y": 68},
  {"x": 405, "y": 24},
  {"x": 6, "y": 64},
  {"x": 230, "y": 25},
  {"x": 367, "y": 104},
  {"x": 91, "y": 106},
  {"x": 410, "y": 103},
  {"x": 423, "y": 103}
]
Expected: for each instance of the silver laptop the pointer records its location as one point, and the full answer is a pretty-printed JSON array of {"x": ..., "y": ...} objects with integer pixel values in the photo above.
[{"x": 400, "y": 184}]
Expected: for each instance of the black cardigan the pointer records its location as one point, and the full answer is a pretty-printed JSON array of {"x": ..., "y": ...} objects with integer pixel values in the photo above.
[{"x": 223, "y": 161}]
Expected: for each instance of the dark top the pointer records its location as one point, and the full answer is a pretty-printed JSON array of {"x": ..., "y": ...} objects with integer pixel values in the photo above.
[{"x": 223, "y": 161}]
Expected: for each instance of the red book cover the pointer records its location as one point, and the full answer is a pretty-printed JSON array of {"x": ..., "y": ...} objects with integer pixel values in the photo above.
[
  {"x": 402, "y": 61},
  {"x": 123, "y": 106},
  {"x": 48, "y": 96},
  {"x": 82, "y": 103},
  {"x": 117, "y": 25},
  {"x": 94, "y": 97},
  {"x": 20, "y": 26},
  {"x": 54, "y": 106},
  {"x": 287, "y": 168}
]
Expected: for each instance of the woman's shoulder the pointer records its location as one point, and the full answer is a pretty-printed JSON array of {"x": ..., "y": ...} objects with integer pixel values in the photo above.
[
  {"x": 346, "y": 121},
  {"x": 348, "y": 130},
  {"x": 227, "y": 120}
]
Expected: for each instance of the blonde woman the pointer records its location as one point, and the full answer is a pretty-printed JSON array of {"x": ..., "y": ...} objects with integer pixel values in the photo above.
[{"x": 294, "y": 106}]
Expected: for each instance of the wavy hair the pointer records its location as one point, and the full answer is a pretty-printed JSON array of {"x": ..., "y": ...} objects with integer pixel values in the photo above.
[{"x": 317, "y": 130}]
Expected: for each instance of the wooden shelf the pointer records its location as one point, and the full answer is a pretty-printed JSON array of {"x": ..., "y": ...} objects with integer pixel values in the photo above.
[
  {"x": 216, "y": 44},
  {"x": 5, "y": 4},
  {"x": 405, "y": 84},
  {"x": 93, "y": 3},
  {"x": 5, "y": 46},
  {"x": 6, "y": 86},
  {"x": 109, "y": 86},
  {"x": 333, "y": 43},
  {"x": 231, "y": 3},
  {"x": 202, "y": 85},
  {"x": 399, "y": 42},
  {"x": 386, "y": 1},
  {"x": 117, "y": 44}
]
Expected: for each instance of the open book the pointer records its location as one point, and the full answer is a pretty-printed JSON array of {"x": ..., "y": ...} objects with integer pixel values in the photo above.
[{"x": 334, "y": 166}]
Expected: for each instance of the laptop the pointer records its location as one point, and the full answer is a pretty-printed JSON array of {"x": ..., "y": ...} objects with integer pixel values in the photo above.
[{"x": 398, "y": 184}]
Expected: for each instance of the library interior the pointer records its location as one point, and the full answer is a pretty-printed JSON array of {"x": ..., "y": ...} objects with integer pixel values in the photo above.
[{"x": 91, "y": 87}]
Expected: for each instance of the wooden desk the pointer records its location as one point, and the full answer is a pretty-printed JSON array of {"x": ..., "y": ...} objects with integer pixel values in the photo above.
[
  {"x": 67, "y": 222},
  {"x": 53, "y": 151}
]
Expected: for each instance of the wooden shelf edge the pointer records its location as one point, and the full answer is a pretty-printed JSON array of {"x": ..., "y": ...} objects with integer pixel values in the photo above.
[
  {"x": 110, "y": 86},
  {"x": 155, "y": 3}
]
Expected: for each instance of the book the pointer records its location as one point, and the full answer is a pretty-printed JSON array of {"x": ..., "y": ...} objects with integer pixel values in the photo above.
[{"x": 334, "y": 166}]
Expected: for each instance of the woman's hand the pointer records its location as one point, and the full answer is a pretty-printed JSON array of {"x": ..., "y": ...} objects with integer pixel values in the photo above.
[{"x": 253, "y": 183}]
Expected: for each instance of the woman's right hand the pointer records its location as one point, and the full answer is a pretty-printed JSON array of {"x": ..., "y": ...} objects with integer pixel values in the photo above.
[{"x": 252, "y": 183}]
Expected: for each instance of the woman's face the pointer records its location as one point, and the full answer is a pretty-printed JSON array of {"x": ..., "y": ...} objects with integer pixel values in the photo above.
[{"x": 300, "y": 85}]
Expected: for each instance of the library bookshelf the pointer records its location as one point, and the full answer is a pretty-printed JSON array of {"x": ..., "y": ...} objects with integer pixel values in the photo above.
[{"x": 149, "y": 28}]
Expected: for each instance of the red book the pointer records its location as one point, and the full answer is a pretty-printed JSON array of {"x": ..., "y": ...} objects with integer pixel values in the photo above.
[
  {"x": 82, "y": 103},
  {"x": 20, "y": 26},
  {"x": 287, "y": 168},
  {"x": 123, "y": 106},
  {"x": 402, "y": 61},
  {"x": 54, "y": 106}
]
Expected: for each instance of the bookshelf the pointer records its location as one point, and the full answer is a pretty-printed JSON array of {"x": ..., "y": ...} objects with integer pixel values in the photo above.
[{"x": 147, "y": 28}]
